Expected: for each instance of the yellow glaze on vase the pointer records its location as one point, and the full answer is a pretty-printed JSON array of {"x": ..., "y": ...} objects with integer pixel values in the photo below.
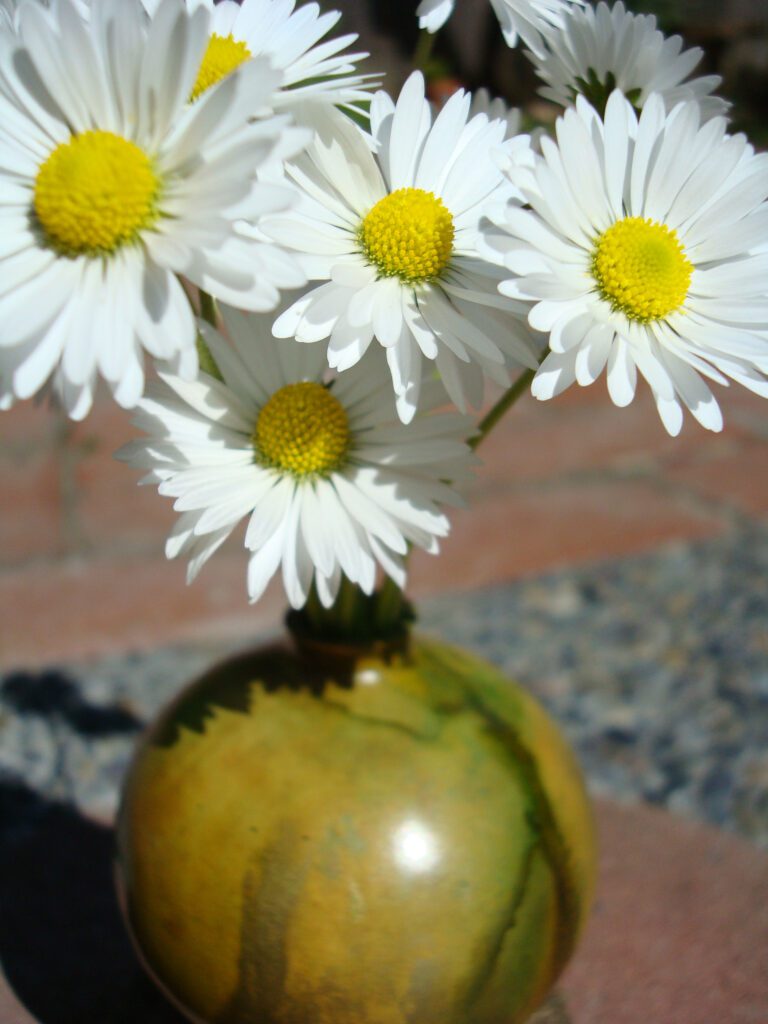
[{"x": 338, "y": 837}]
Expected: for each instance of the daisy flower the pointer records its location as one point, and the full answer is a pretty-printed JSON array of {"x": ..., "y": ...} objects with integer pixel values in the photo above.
[
  {"x": 599, "y": 49},
  {"x": 394, "y": 238},
  {"x": 291, "y": 38},
  {"x": 8, "y": 15},
  {"x": 496, "y": 110},
  {"x": 9, "y": 10},
  {"x": 639, "y": 254},
  {"x": 329, "y": 479},
  {"x": 112, "y": 184},
  {"x": 528, "y": 19}
]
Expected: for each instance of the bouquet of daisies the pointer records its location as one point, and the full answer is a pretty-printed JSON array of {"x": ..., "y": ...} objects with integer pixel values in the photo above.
[{"x": 322, "y": 276}]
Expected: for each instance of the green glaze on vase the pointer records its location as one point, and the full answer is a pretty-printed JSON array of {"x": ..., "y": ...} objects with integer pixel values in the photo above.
[{"x": 332, "y": 836}]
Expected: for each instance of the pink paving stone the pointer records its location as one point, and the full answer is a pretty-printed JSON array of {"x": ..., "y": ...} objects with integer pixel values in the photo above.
[
  {"x": 89, "y": 607},
  {"x": 736, "y": 402},
  {"x": 539, "y": 440},
  {"x": 736, "y": 476},
  {"x": 113, "y": 510},
  {"x": 520, "y": 533},
  {"x": 28, "y": 423},
  {"x": 746, "y": 410},
  {"x": 679, "y": 933},
  {"x": 31, "y": 524},
  {"x": 107, "y": 424},
  {"x": 117, "y": 602}
]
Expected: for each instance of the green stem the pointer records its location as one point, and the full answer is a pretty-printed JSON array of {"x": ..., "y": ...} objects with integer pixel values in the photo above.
[
  {"x": 210, "y": 314},
  {"x": 208, "y": 311},
  {"x": 315, "y": 613},
  {"x": 423, "y": 50},
  {"x": 389, "y": 606},
  {"x": 357, "y": 617},
  {"x": 507, "y": 400},
  {"x": 347, "y": 608}
]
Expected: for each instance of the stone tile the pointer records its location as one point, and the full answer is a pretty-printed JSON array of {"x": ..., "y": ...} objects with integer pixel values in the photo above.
[
  {"x": 504, "y": 537},
  {"x": 106, "y": 507},
  {"x": 539, "y": 440},
  {"x": 112, "y": 509},
  {"x": 734, "y": 475},
  {"x": 745, "y": 410},
  {"x": 106, "y": 427},
  {"x": 31, "y": 511},
  {"x": 125, "y": 600},
  {"x": 679, "y": 932},
  {"x": 87, "y": 607},
  {"x": 28, "y": 424}
]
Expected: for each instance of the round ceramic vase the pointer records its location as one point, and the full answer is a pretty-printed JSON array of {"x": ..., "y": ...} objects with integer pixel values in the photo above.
[{"x": 327, "y": 835}]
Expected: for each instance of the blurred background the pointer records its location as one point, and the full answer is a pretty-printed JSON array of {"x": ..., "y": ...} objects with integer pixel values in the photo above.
[{"x": 470, "y": 49}]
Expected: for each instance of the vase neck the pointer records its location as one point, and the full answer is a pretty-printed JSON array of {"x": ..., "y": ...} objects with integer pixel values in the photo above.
[
  {"x": 332, "y": 648},
  {"x": 356, "y": 622}
]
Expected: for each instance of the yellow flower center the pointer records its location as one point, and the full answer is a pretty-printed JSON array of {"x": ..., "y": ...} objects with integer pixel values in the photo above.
[
  {"x": 408, "y": 234},
  {"x": 95, "y": 193},
  {"x": 641, "y": 269},
  {"x": 303, "y": 430},
  {"x": 223, "y": 55}
]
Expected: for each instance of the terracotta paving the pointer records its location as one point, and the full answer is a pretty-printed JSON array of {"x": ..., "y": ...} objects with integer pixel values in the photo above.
[
  {"x": 82, "y": 570},
  {"x": 679, "y": 931}
]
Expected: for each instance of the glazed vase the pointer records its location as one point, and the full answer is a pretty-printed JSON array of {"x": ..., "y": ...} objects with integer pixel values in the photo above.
[{"x": 382, "y": 834}]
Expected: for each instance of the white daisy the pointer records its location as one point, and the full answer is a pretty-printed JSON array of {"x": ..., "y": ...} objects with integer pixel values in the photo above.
[
  {"x": 291, "y": 39},
  {"x": 395, "y": 240},
  {"x": 330, "y": 481},
  {"x": 599, "y": 49},
  {"x": 639, "y": 253},
  {"x": 111, "y": 184},
  {"x": 528, "y": 19},
  {"x": 496, "y": 109},
  {"x": 9, "y": 15},
  {"x": 9, "y": 10}
]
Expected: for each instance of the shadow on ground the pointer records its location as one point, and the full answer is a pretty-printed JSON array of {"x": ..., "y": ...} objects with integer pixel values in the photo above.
[
  {"x": 52, "y": 694},
  {"x": 63, "y": 948}
]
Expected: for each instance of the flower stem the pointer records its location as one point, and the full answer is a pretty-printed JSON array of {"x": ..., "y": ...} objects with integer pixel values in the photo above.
[
  {"x": 507, "y": 400},
  {"x": 210, "y": 314},
  {"x": 389, "y": 606},
  {"x": 314, "y": 612},
  {"x": 423, "y": 51},
  {"x": 349, "y": 608},
  {"x": 208, "y": 311},
  {"x": 356, "y": 617}
]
